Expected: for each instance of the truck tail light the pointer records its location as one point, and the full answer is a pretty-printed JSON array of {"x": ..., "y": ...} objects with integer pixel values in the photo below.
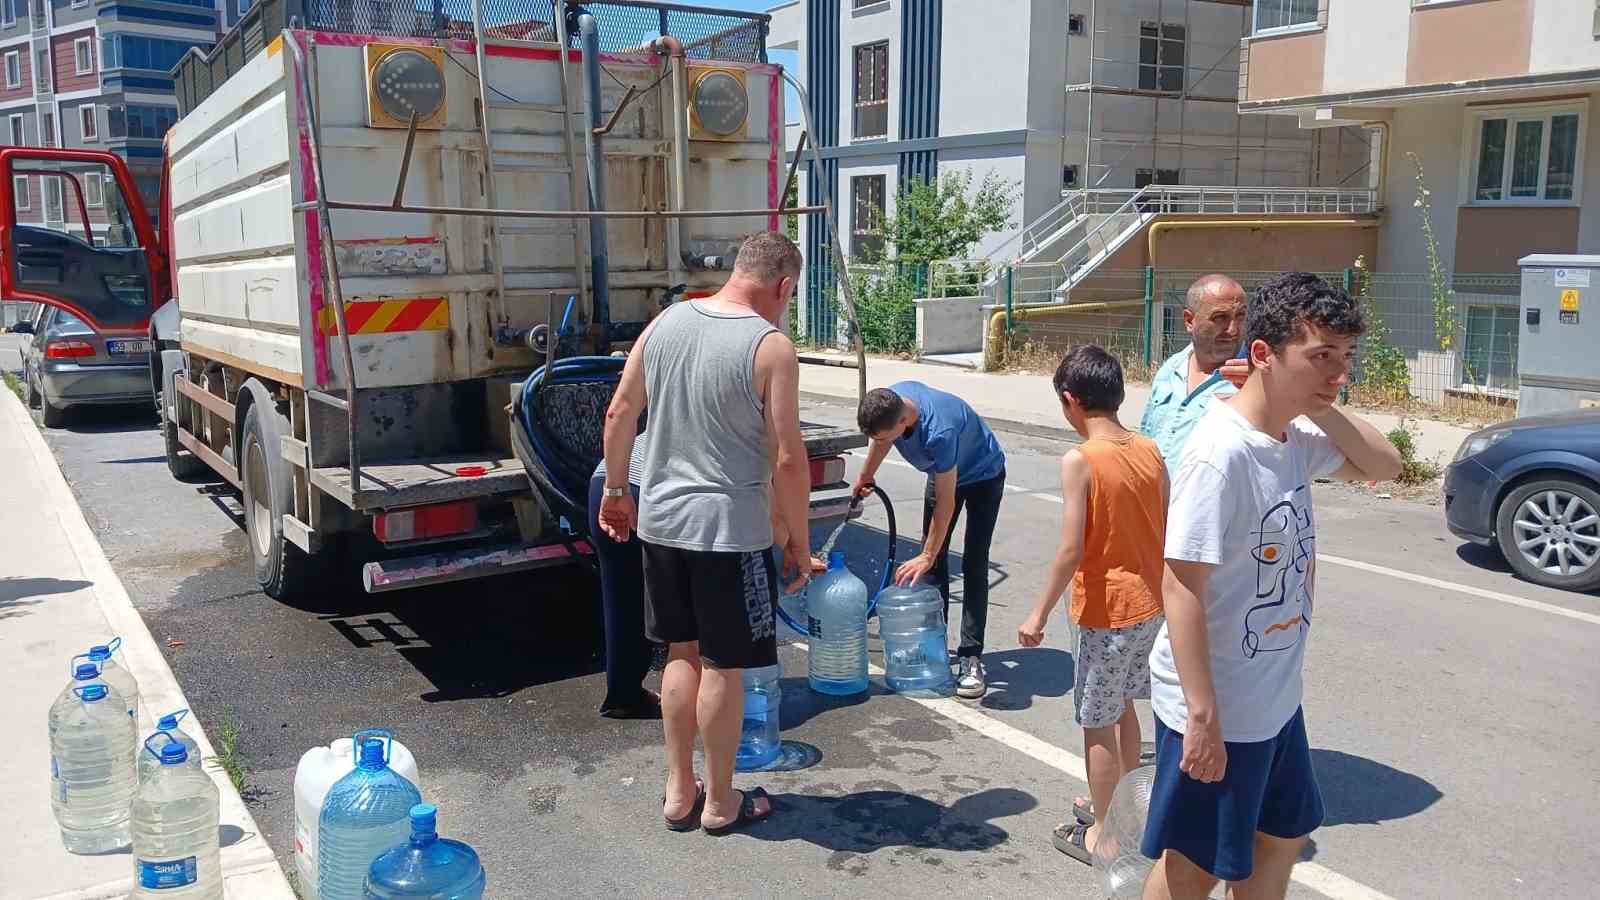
[
  {"x": 419, "y": 523},
  {"x": 67, "y": 350},
  {"x": 829, "y": 470}
]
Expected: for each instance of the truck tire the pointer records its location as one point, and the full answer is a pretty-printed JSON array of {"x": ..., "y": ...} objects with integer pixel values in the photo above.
[
  {"x": 283, "y": 570},
  {"x": 183, "y": 465}
]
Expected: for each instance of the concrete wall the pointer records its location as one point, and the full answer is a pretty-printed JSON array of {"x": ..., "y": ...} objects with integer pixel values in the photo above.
[
  {"x": 1563, "y": 37},
  {"x": 1280, "y": 249},
  {"x": 985, "y": 76},
  {"x": 1462, "y": 42},
  {"x": 65, "y": 62},
  {"x": 952, "y": 325},
  {"x": 1009, "y": 163},
  {"x": 1366, "y": 44}
]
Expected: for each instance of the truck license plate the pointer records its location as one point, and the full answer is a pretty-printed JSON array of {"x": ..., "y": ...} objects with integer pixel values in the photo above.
[{"x": 129, "y": 347}]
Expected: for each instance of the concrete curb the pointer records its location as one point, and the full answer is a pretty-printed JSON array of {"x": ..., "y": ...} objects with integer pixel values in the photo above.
[
  {"x": 250, "y": 870},
  {"x": 1010, "y": 426}
]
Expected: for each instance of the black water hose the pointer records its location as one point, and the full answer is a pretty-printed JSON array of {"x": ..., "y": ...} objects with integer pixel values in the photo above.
[{"x": 888, "y": 562}]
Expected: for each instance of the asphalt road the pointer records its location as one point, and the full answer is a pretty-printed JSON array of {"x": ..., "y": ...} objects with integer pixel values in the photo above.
[{"x": 1449, "y": 729}]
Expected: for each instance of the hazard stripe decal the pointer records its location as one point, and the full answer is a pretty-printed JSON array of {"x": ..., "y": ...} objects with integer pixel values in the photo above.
[{"x": 389, "y": 316}]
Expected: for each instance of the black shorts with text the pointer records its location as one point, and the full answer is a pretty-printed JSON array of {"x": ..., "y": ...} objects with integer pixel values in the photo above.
[{"x": 727, "y": 601}]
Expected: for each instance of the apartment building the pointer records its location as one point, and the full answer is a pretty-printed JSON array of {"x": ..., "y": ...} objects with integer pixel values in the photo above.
[
  {"x": 1054, "y": 96},
  {"x": 94, "y": 74},
  {"x": 1495, "y": 99}
]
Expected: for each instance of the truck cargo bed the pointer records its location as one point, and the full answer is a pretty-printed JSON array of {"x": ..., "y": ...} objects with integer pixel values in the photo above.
[{"x": 418, "y": 482}]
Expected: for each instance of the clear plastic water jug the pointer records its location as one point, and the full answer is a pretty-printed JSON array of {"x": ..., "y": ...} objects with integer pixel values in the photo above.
[
  {"x": 175, "y": 815},
  {"x": 92, "y": 777},
  {"x": 168, "y": 725},
  {"x": 365, "y": 813},
  {"x": 113, "y": 674},
  {"x": 758, "y": 736},
  {"x": 911, "y": 623},
  {"x": 318, "y": 770},
  {"x": 836, "y": 608},
  {"x": 427, "y": 866},
  {"x": 1123, "y": 868}
]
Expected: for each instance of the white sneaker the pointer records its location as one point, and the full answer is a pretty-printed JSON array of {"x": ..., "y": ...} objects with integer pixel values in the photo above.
[{"x": 970, "y": 683}]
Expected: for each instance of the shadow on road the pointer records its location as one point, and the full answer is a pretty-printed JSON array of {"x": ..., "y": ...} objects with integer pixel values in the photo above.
[
  {"x": 1018, "y": 676},
  {"x": 868, "y": 821},
  {"x": 1483, "y": 558},
  {"x": 801, "y": 704},
  {"x": 111, "y": 419},
  {"x": 1361, "y": 791}
]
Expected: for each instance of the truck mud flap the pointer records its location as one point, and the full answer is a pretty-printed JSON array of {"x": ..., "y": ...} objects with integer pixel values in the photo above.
[{"x": 462, "y": 565}]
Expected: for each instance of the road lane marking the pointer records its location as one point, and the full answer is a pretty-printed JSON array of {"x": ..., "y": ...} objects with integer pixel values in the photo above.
[
  {"x": 1510, "y": 599},
  {"x": 1321, "y": 879}
]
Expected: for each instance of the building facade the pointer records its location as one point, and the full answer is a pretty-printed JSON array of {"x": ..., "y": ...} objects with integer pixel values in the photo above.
[
  {"x": 95, "y": 74},
  {"x": 1494, "y": 100},
  {"x": 1051, "y": 96}
]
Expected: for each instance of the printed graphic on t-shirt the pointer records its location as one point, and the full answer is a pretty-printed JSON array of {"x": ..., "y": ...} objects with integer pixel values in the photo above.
[{"x": 1286, "y": 557}]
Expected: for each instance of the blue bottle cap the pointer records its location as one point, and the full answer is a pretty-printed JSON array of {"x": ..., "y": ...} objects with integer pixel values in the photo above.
[
  {"x": 835, "y": 559},
  {"x": 424, "y": 818},
  {"x": 92, "y": 692},
  {"x": 86, "y": 672},
  {"x": 169, "y": 722},
  {"x": 174, "y": 753},
  {"x": 372, "y": 754}
]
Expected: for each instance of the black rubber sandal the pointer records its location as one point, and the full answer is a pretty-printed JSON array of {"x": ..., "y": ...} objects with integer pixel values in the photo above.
[
  {"x": 747, "y": 813},
  {"x": 690, "y": 820},
  {"x": 1069, "y": 838}
]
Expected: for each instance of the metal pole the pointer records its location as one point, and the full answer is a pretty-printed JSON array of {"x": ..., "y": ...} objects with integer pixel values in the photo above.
[
  {"x": 330, "y": 259},
  {"x": 580, "y": 248},
  {"x": 1088, "y": 113},
  {"x": 841, "y": 267},
  {"x": 488, "y": 161},
  {"x": 594, "y": 156},
  {"x": 1149, "y": 311}
]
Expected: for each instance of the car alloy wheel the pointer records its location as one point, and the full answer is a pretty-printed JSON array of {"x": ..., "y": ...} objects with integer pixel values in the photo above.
[{"x": 1557, "y": 532}]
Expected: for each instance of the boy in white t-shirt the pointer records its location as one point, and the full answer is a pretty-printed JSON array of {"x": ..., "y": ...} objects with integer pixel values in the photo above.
[{"x": 1235, "y": 796}]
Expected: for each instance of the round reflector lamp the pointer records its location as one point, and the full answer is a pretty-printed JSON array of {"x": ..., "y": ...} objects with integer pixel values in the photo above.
[
  {"x": 407, "y": 81},
  {"x": 720, "y": 103}
]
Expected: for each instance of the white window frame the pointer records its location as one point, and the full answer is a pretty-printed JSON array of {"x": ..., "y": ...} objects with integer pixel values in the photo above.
[
  {"x": 87, "y": 43},
  {"x": 88, "y": 123},
  {"x": 1513, "y": 113},
  {"x": 14, "y": 55},
  {"x": 79, "y": 4},
  {"x": 8, "y": 13},
  {"x": 1255, "y": 13},
  {"x": 19, "y": 131},
  {"x": 94, "y": 190},
  {"x": 19, "y": 193}
]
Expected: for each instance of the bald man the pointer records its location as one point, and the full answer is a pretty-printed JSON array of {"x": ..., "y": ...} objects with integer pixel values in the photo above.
[{"x": 1187, "y": 383}]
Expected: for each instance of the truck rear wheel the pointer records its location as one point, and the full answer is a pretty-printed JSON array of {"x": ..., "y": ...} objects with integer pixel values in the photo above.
[{"x": 283, "y": 570}]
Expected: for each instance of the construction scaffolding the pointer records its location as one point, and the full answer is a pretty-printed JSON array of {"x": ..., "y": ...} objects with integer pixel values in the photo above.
[{"x": 1151, "y": 98}]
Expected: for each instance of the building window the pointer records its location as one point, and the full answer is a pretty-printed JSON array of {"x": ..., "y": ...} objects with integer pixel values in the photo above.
[
  {"x": 47, "y": 129},
  {"x": 86, "y": 119},
  {"x": 8, "y": 13},
  {"x": 79, "y": 4},
  {"x": 19, "y": 192},
  {"x": 13, "y": 69},
  {"x": 1161, "y": 51},
  {"x": 52, "y": 198},
  {"x": 83, "y": 55},
  {"x": 1273, "y": 14},
  {"x": 138, "y": 52},
  {"x": 42, "y": 79},
  {"x": 94, "y": 189},
  {"x": 1489, "y": 348},
  {"x": 866, "y": 218},
  {"x": 17, "y": 134},
  {"x": 1527, "y": 155},
  {"x": 1075, "y": 23},
  {"x": 1069, "y": 176},
  {"x": 1143, "y": 177},
  {"x": 136, "y": 121},
  {"x": 872, "y": 90}
]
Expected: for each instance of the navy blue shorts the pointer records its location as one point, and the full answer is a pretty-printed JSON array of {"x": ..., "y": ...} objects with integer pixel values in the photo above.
[{"x": 1268, "y": 786}]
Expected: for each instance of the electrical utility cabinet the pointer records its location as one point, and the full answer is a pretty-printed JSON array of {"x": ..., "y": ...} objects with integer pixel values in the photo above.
[{"x": 1558, "y": 352}]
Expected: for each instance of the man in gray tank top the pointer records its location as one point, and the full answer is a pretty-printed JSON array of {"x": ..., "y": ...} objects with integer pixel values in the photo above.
[{"x": 723, "y": 459}]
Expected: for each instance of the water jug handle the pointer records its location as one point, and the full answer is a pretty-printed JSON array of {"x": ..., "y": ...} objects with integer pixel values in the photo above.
[
  {"x": 388, "y": 746},
  {"x": 114, "y": 645},
  {"x": 153, "y": 751},
  {"x": 72, "y": 664}
]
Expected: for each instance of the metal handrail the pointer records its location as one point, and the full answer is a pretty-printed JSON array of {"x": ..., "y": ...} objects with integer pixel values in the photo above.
[{"x": 1048, "y": 223}]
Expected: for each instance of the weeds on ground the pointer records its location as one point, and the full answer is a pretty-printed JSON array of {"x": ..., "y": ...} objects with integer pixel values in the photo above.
[
  {"x": 228, "y": 755},
  {"x": 15, "y": 384},
  {"x": 1413, "y": 469},
  {"x": 1035, "y": 357}
]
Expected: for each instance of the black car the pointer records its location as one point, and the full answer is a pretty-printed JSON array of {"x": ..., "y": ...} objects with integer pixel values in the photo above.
[{"x": 1531, "y": 487}]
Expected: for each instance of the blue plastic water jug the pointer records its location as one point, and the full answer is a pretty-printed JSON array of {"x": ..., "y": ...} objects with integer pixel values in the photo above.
[
  {"x": 836, "y": 605},
  {"x": 365, "y": 814},
  {"x": 911, "y": 623},
  {"x": 758, "y": 736},
  {"x": 427, "y": 865}
]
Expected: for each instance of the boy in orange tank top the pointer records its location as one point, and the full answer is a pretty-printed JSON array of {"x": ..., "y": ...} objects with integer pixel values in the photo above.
[{"x": 1114, "y": 488}]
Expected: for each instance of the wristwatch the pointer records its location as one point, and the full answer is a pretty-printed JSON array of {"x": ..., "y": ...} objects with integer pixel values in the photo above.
[{"x": 615, "y": 491}]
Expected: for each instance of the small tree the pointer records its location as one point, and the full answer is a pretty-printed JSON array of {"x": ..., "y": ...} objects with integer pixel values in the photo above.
[
  {"x": 1383, "y": 365},
  {"x": 939, "y": 221}
]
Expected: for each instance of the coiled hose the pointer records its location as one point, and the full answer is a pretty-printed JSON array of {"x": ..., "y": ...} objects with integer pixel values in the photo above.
[{"x": 888, "y": 561}]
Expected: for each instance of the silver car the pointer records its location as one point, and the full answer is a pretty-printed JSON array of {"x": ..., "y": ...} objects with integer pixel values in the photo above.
[{"x": 67, "y": 364}]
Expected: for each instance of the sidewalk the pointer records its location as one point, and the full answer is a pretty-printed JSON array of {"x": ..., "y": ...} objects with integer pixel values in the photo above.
[
  {"x": 1027, "y": 402},
  {"x": 59, "y": 595}
]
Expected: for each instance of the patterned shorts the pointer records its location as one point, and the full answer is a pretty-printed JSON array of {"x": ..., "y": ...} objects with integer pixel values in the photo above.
[{"x": 1110, "y": 667}]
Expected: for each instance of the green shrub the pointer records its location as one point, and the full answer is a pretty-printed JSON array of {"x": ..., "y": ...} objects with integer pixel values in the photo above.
[{"x": 1413, "y": 470}]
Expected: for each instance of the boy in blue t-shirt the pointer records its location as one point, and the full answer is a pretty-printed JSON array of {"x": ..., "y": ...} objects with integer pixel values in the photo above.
[{"x": 942, "y": 436}]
